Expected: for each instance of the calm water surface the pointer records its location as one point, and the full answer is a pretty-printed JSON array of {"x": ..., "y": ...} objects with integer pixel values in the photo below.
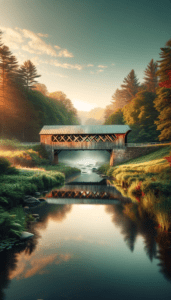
[{"x": 87, "y": 251}]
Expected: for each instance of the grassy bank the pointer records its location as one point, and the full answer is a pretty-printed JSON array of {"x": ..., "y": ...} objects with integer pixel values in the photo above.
[
  {"x": 147, "y": 181},
  {"x": 24, "y": 170}
]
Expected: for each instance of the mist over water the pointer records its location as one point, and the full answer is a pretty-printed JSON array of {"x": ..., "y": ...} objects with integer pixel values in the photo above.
[{"x": 86, "y": 157}]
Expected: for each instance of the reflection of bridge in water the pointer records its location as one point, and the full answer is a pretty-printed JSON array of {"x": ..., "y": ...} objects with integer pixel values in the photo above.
[{"x": 87, "y": 193}]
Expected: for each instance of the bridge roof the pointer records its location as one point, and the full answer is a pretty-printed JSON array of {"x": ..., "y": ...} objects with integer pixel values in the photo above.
[{"x": 84, "y": 129}]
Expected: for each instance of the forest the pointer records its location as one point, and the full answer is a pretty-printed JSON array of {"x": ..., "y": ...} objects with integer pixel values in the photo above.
[
  {"x": 25, "y": 104},
  {"x": 145, "y": 107}
]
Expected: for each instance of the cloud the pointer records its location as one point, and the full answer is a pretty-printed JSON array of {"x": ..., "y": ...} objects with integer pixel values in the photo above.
[
  {"x": 100, "y": 71},
  {"x": 90, "y": 65},
  {"x": 113, "y": 64},
  {"x": 32, "y": 43},
  {"x": 28, "y": 49},
  {"x": 101, "y": 66},
  {"x": 55, "y": 74},
  {"x": 65, "y": 53},
  {"x": 36, "y": 44},
  {"x": 36, "y": 61},
  {"x": 11, "y": 37},
  {"x": 66, "y": 65},
  {"x": 57, "y": 47},
  {"x": 43, "y": 35},
  {"x": 91, "y": 72},
  {"x": 29, "y": 266}
]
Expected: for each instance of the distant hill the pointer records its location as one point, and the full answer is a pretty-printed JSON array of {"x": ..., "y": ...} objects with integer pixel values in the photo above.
[{"x": 92, "y": 117}]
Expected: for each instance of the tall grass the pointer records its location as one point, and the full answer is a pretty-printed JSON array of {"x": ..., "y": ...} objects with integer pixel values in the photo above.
[{"x": 147, "y": 181}]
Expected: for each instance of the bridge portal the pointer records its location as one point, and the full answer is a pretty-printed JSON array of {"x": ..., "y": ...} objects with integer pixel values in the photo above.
[{"x": 56, "y": 138}]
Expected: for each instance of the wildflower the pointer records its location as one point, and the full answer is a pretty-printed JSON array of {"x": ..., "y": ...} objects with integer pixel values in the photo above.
[
  {"x": 137, "y": 199},
  {"x": 143, "y": 194}
]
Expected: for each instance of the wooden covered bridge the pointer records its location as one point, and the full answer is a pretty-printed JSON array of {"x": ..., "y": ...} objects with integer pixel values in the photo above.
[{"x": 56, "y": 138}]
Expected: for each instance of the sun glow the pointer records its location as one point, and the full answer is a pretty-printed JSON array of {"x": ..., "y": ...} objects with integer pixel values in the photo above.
[{"x": 81, "y": 105}]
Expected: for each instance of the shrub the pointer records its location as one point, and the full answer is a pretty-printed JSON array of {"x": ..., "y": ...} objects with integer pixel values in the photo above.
[{"x": 4, "y": 165}]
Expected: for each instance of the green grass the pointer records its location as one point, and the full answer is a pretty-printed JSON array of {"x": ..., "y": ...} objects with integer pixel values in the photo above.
[
  {"x": 14, "y": 187},
  {"x": 147, "y": 181},
  {"x": 149, "y": 157}
]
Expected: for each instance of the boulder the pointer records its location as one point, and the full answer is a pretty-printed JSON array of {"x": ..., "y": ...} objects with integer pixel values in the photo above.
[
  {"x": 31, "y": 200},
  {"x": 42, "y": 200},
  {"x": 35, "y": 215},
  {"x": 26, "y": 235}
]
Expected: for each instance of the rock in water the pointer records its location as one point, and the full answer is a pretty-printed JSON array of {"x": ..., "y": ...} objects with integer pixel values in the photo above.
[
  {"x": 31, "y": 200},
  {"x": 26, "y": 235}
]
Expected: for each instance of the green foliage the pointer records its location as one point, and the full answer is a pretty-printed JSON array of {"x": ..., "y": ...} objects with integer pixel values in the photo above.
[
  {"x": 11, "y": 144},
  {"x": 14, "y": 187},
  {"x": 141, "y": 114},
  {"x": 163, "y": 105},
  {"x": 130, "y": 86},
  {"x": 32, "y": 108},
  {"x": 5, "y": 167},
  {"x": 103, "y": 169},
  {"x": 165, "y": 62},
  {"x": 115, "y": 118},
  {"x": 151, "y": 81},
  {"x": 12, "y": 223}
]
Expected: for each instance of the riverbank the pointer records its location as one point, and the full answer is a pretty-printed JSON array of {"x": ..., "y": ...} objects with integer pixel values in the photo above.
[
  {"x": 24, "y": 170},
  {"x": 147, "y": 181}
]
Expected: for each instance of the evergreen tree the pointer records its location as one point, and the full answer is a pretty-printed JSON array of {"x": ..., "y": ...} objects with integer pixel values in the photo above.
[
  {"x": 1, "y": 44},
  {"x": 165, "y": 62},
  {"x": 130, "y": 86},
  {"x": 108, "y": 111},
  {"x": 28, "y": 74},
  {"x": 8, "y": 70},
  {"x": 141, "y": 115},
  {"x": 163, "y": 106},
  {"x": 163, "y": 101},
  {"x": 118, "y": 100},
  {"x": 151, "y": 81}
]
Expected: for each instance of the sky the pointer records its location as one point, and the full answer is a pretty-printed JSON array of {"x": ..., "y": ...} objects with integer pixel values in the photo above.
[{"x": 85, "y": 48}]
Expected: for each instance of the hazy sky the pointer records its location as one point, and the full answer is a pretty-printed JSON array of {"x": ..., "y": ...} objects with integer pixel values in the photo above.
[{"x": 86, "y": 48}]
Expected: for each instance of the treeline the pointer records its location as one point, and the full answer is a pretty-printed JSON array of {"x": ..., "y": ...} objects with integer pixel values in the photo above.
[
  {"x": 145, "y": 107},
  {"x": 25, "y": 105}
]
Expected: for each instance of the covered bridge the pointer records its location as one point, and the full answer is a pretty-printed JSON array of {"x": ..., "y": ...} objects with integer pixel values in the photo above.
[{"x": 83, "y": 137}]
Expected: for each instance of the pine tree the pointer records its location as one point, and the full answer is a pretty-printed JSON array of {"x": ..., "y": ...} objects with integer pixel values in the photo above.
[
  {"x": 130, "y": 86},
  {"x": 28, "y": 74},
  {"x": 108, "y": 111},
  {"x": 8, "y": 71},
  {"x": 1, "y": 44},
  {"x": 151, "y": 81},
  {"x": 163, "y": 101},
  {"x": 118, "y": 100},
  {"x": 165, "y": 62}
]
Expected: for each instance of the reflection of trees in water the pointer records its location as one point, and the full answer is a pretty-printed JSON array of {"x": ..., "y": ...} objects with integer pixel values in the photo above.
[
  {"x": 8, "y": 264},
  {"x": 134, "y": 223},
  {"x": 164, "y": 254},
  {"x": 8, "y": 258},
  {"x": 55, "y": 212},
  {"x": 137, "y": 221}
]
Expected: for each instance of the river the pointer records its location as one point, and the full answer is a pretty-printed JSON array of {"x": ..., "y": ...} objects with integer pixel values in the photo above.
[{"x": 88, "y": 244}]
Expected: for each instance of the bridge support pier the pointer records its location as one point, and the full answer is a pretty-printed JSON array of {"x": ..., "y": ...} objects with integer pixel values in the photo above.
[
  {"x": 112, "y": 158},
  {"x": 55, "y": 158}
]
